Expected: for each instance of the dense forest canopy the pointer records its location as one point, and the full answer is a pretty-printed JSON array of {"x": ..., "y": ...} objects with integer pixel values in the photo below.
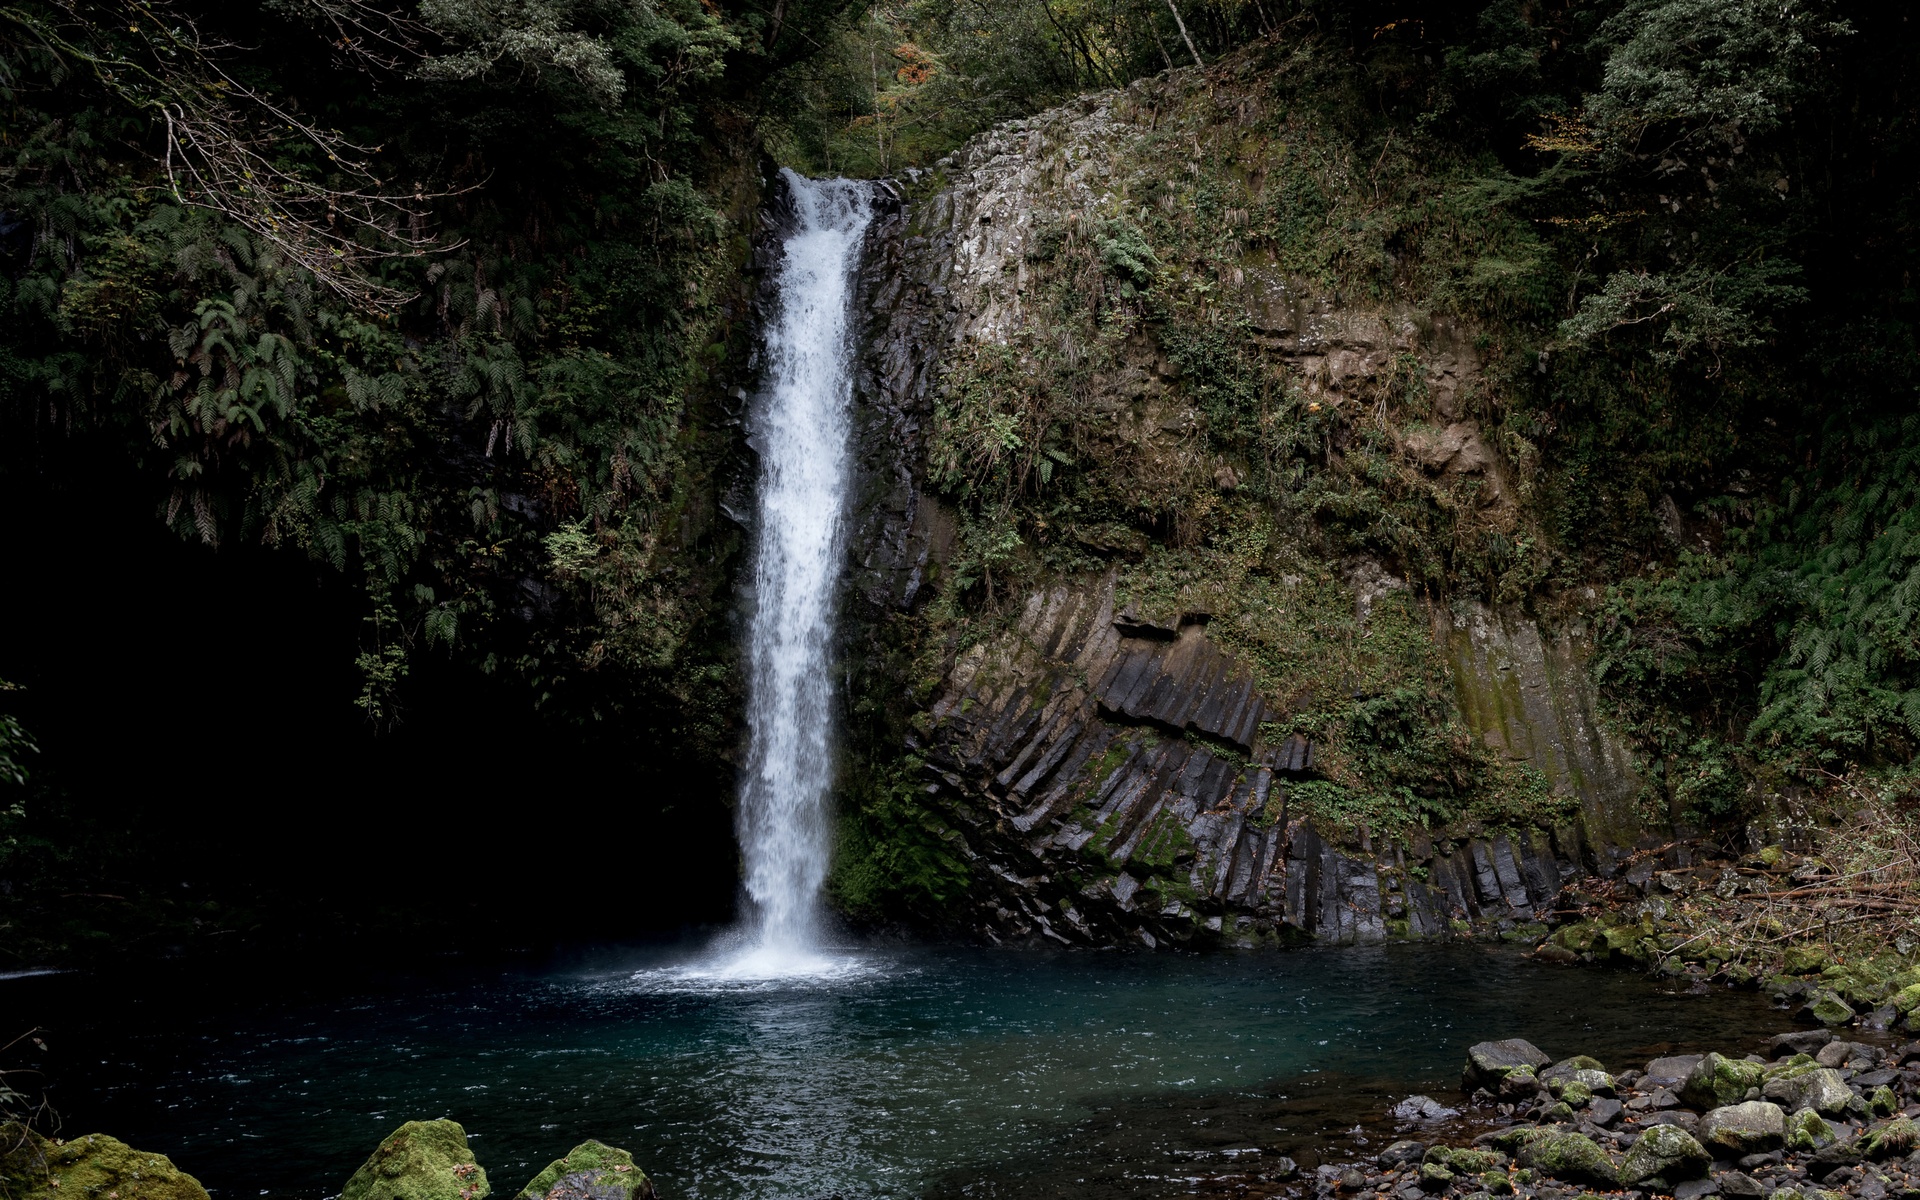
[{"x": 445, "y": 304}]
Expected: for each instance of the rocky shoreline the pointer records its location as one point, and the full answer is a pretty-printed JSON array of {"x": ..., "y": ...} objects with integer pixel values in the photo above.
[{"x": 1817, "y": 1116}]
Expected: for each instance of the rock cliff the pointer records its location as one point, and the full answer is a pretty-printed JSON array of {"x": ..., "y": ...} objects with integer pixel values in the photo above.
[{"x": 1146, "y": 731}]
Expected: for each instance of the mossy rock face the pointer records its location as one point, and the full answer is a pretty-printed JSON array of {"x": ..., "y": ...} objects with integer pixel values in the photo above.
[
  {"x": 1718, "y": 1081},
  {"x": 1664, "y": 1155},
  {"x": 421, "y": 1160},
  {"x": 1573, "y": 1157},
  {"x": 87, "y": 1168},
  {"x": 590, "y": 1171}
]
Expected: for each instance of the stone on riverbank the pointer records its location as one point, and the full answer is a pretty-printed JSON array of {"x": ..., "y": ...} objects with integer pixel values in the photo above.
[
  {"x": 590, "y": 1171},
  {"x": 1896, "y": 1139},
  {"x": 1717, "y": 1081},
  {"x": 1664, "y": 1155},
  {"x": 1803, "y": 1085},
  {"x": 1488, "y": 1063},
  {"x": 421, "y": 1160},
  {"x": 87, "y": 1168},
  {"x": 1574, "y": 1157},
  {"x": 1806, "y": 1131},
  {"x": 1753, "y": 1127}
]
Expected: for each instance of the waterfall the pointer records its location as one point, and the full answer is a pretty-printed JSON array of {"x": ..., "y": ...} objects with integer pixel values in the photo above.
[{"x": 800, "y": 427}]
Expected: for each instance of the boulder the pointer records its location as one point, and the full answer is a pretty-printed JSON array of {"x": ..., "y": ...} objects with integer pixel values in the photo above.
[
  {"x": 1434, "y": 1177},
  {"x": 1490, "y": 1062},
  {"x": 1423, "y": 1108},
  {"x": 1670, "y": 1070},
  {"x": 1717, "y": 1081},
  {"x": 1573, "y": 1157},
  {"x": 1883, "y": 1103},
  {"x": 590, "y": 1171},
  {"x": 1806, "y": 1131},
  {"x": 33, "y": 1168},
  {"x": 1738, "y": 1183},
  {"x": 1754, "y": 1127},
  {"x": 1603, "y": 1111},
  {"x": 1829, "y": 1009},
  {"x": 1399, "y": 1154},
  {"x": 1664, "y": 1155},
  {"x": 421, "y": 1160},
  {"x": 1805, "y": 1042},
  {"x": 1807, "y": 1086}
]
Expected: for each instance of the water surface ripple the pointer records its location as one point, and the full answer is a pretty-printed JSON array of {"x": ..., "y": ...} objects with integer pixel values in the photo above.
[{"x": 909, "y": 1073}]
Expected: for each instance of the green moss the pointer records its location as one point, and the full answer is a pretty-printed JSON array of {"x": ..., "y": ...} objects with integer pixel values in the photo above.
[
  {"x": 610, "y": 1174},
  {"x": 1718, "y": 1081},
  {"x": 87, "y": 1168},
  {"x": 1807, "y": 1131},
  {"x": 421, "y": 1160}
]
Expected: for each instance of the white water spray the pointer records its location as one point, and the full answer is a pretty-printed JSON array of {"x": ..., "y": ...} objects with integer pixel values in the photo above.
[{"x": 802, "y": 431}]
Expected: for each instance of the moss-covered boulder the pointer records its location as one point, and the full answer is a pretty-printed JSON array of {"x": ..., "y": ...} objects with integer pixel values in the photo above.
[
  {"x": 1896, "y": 1139},
  {"x": 1754, "y": 1127},
  {"x": 1807, "y": 1085},
  {"x": 1717, "y": 1081},
  {"x": 1462, "y": 1161},
  {"x": 421, "y": 1160},
  {"x": 1808, "y": 1131},
  {"x": 1490, "y": 1062},
  {"x": 590, "y": 1171},
  {"x": 1829, "y": 1009},
  {"x": 87, "y": 1168},
  {"x": 1906, "y": 999},
  {"x": 1663, "y": 1156},
  {"x": 1573, "y": 1157}
]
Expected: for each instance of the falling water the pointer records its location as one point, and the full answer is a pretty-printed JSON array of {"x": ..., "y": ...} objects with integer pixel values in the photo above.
[{"x": 801, "y": 431}]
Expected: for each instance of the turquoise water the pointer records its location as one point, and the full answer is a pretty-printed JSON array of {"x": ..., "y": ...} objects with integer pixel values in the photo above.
[{"x": 909, "y": 1072}]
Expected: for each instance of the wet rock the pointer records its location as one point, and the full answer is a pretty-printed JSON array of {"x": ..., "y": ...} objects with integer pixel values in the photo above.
[
  {"x": 1717, "y": 1081},
  {"x": 91, "y": 1167},
  {"x": 1674, "y": 1116},
  {"x": 1738, "y": 1183},
  {"x": 1670, "y": 1071},
  {"x": 1805, "y": 1042},
  {"x": 1490, "y": 1062},
  {"x": 590, "y": 1171},
  {"x": 1574, "y": 1157},
  {"x": 1694, "y": 1189},
  {"x": 1834, "y": 1054},
  {"x": 1604, "y": 1111},
  {"x": 1753, "y": 1127},
  {"x": 1423, "y": 1108},
  {"x": 1664, "y": 1155},
  {"x": 1833, "y": 1158},
  {"x": 421, "y": 1160},
  {"x": 1400, "y": 1153},
  {"x": 1434, "y": 1177},
  {"x": 1282, "y": 1168}
]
